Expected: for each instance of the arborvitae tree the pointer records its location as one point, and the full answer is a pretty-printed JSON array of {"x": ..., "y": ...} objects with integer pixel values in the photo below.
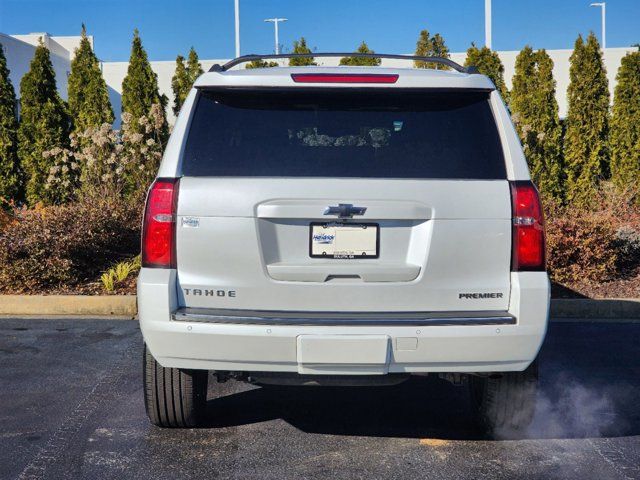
[
  {"x": 140, "y": 86},
  {"x": 625, "y": 127},
  {"x": 180, "y": 84},
  {"x": 261, "y": 64},
  {"x": 184, "y": 77},
  {"x": 428, "y": 46},
  {"x": 488, "y": 63},
  {"x": 364, "y": 62},
  {"x": 193, "y": 66},
  {"x": 301, "y": 47},
  {"x": 587, "y": 125},
  {"x": 440, "y": 48},
  {"x": 89, "y": 103},
  {"x": 535, "y": 114},
  {"x": 10, "y": 177},
  {"x": 44, "y": 125}
]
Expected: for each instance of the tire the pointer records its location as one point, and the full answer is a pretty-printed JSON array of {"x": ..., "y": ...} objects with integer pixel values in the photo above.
[
  {"x": 505, "y": 403},
  {"x": 173, "y": 397}
]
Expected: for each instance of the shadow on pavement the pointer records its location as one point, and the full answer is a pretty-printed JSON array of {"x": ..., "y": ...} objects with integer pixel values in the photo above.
[
  {"x": 590, "y": 382},
  {"x": 419, "y": 407}
]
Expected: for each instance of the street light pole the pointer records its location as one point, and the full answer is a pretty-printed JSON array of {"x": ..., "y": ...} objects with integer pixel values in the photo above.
[
  {"x": 603, "y": 6},
  {"x": 275, "y": 22},
  {"x": 487, "y": 24},
  {"x": 237, "y": 15}
]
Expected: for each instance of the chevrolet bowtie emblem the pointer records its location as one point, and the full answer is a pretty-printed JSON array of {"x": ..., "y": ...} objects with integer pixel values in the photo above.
[{"x": 345, "y": 210}]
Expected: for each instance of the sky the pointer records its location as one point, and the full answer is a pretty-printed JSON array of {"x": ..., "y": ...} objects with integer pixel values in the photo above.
[{"x": 171, "y": 27}]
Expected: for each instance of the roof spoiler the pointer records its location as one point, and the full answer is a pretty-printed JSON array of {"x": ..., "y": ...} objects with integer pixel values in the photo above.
[{"x": 250, "y": 58}]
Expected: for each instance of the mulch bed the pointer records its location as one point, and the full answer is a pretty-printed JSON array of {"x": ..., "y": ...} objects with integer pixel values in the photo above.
[
  {"x": 623, "y": 288},
  {"x": 127, "y": 287}
]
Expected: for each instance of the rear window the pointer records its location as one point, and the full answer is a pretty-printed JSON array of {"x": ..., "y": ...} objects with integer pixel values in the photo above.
[{"x": 329, "y": 133}]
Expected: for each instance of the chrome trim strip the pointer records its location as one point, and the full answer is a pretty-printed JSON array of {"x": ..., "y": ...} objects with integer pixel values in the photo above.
[{"x": 258, "y": 317}]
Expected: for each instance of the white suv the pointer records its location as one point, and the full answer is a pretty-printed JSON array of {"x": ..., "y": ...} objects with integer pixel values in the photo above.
[{"x": 343, "y": 225}]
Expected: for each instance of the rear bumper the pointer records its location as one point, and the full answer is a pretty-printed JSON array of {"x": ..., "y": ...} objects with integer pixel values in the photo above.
[
  {"x": 341, "y": 319},
  {"x": 323, "y": 343}
]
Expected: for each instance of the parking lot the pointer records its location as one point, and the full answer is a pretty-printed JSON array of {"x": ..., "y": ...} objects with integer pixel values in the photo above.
[{"x": 72, "y": 407}]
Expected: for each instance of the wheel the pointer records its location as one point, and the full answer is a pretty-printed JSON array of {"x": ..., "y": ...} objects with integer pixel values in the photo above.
[
  {"x": 505, "y": 402},
  {"x": 173, "y": 397}
]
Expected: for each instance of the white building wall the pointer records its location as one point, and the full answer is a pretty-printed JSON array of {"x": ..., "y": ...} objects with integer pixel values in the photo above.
[
  {"x": 19, "y": 50},
  {"x": 612, "y": 60},
  {"x": 19, "y": 55},
  {"x": 114, "y": 73}
]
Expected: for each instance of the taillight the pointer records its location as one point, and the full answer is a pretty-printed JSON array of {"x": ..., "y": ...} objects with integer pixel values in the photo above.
[
  {"x": 159, "y": 225},
  {"x": 344, "y": 78},
  {"x": 528, "y": 250}
]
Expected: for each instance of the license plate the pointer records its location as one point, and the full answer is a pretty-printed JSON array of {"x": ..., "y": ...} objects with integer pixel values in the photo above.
[{"x": 344, "y": 240}]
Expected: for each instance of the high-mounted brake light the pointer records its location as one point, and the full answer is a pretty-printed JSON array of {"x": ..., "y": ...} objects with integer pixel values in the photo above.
[
  {"x": 159, "y": 225},
  {"x": 528, "y": 250},
  {"x": 343, "y": 78}
]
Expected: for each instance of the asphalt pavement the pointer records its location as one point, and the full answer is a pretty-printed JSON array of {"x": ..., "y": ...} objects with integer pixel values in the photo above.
[{"x": 71, "y": 407}]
